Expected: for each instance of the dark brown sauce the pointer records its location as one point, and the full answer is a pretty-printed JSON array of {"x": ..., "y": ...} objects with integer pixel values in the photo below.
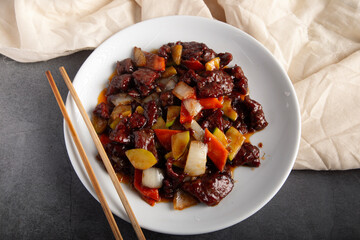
[
  {"x": 165, "y": 200},
  {"x": 123, "y": 178},
  {"x": 102, "y": 98},
  {"x": 112, "y": 75},
  {"x": 260, "y": 144},
  {"x": 232, "y": 169},
  {"x": 247, "y": 136}
]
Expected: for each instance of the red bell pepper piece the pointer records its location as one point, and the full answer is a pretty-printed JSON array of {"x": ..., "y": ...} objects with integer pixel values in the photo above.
[
  {"x": 216, "y": 150},
  {"x": 152, "y": 193},
  {"x": 210, "y": 103},
  {"x": 185, "y": 116},
  {"x": 150, "y": 201},
  {"x": 193, "y": 64},
  {"x": 221, "y": 99},
  {"x": 104, "y": 139},
  {"x": 164, "y": 137}
]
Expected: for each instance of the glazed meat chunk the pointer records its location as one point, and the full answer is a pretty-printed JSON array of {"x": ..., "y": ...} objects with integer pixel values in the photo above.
[
  {"x": 145, "y": 80},
  {"x": 210, "y": 189},
  {"x": 125, "y": 66},
  {"x": 214, "y": 84}
]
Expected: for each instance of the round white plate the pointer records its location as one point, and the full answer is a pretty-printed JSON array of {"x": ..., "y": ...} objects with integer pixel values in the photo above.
[{"x": 268, "y": 84}]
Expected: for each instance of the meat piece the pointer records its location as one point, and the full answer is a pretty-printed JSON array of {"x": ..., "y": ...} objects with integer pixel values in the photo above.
[
  {"x": 240, "y": 81},
  {"x": 237, "y": 72},
  {"x": 102, "y": 110},
  {"x": 119, "y": 160},
  {"x": 117, "y": 157},
  {"x": 208, "y": 54},
  {"x": 248, "y": 155},
  {"x": 173, "y": 179},
  {"x": 136, "y": 121},
  {"x": 125, "y": 66},
  {"x": 168, "y": 189},
  {"x": 121, "y": 133},
  {"x": 181, "y": 70},
  {"x": 241, "y": 85},
  {"x": 145, "y": 80},
  {"x": 189, "y": 77},
  {"x": 215, "y": 119},
  {"x": 151, "y": 112},
  {"x": 197, "y": 51},
  {"x": 154, "y": 61},
  {"x": 145, "y": 90},
  {"x": 145, "y": 76},
  {"x": 256, "y": 114},
  {"x": 236, "y": 95},
  {"x": 122, "y": 165},
  {"x": 165, "y": 50},
  {"x": 192, "y": 50},
  {"x": 167, "y": 98},
  {"x": 214, "y": 84},
  {"x": 250, "y": 114},
  {"x": 118, "y": 150},
  {"x": 133, "y": 93},
  {"x": 210, "y": 188},
  {"x": 239, "y": 107},
  {"x": 240, "y": 125},
  {"x": 170, "y": 171},
  {"x": 119, "y": 83},
  {"x": 225, "y": 59},
  {"x": 145, "y": 139}
]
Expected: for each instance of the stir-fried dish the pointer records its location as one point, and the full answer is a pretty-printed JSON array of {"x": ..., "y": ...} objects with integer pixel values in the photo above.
[{"x": 176, "y": 121}]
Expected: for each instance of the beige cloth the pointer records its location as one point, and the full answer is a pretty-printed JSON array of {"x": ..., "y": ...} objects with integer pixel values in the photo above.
[{"x": 317, "y": 42}]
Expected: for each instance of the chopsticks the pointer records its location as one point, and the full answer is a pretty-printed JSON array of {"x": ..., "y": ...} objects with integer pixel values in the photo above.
[
  {"x": 102, "y": 153},
  {"x": 84, "y": 158}
]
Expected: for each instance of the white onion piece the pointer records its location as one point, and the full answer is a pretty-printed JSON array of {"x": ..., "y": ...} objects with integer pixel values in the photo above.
[
  {"x": 198, "y": 132},
  {"x": 183, "y": 91},
  {"x": 153, "y": 96},
  {"x": 183, "y": 200},
  {"x": 187, "y": 179},
  {"x": 196, "y": 160},
  {"x": 121, "y": 99},
  {"x": 152, "y": 177},
  {"x": 170, "y": 85},
  {"x": 162, "y": 82},
  {"x": 193, "y": 106}
]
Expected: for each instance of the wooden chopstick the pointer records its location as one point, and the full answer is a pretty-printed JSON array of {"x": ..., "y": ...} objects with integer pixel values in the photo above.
[
  {"x": 103, "y": 155},
  {"x": 84, "y": 158}
]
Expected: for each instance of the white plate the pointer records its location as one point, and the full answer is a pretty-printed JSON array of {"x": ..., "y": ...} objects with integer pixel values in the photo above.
[{"x": 268, "y": 84}]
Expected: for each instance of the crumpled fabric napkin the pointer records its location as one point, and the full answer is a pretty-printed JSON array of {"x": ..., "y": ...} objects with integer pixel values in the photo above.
[{"x": 317, "y": 43}]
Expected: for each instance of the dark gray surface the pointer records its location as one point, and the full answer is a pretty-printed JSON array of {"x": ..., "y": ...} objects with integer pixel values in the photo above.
[{"x": 42, "y": 198}]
